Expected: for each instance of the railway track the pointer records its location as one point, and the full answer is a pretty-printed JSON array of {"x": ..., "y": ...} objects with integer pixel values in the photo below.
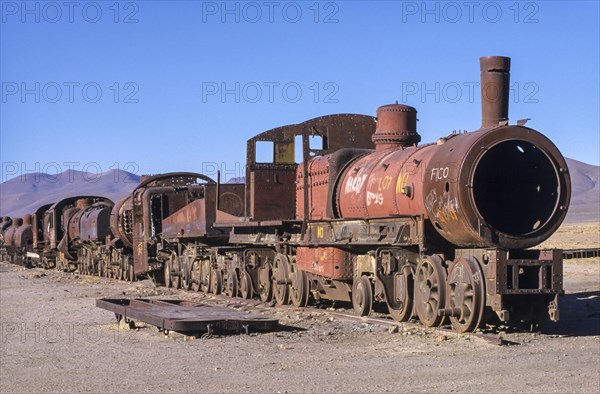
[
  {"x": 581, "y": 253},
  {"x": 490, "y": 338}
]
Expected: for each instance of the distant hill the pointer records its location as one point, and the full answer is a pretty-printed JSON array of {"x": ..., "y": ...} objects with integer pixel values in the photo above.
[
  {"x": 585, "y": 194},
  {"x": 24, "y": 194}
]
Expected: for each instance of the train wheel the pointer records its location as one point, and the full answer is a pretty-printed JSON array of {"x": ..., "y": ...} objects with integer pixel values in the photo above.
[
  {"x": 401, "y": 307},
  {"x": 300, "y": 287},
  {"x": 281, "y": 288},
  {"x": 175, "y": 264},
  {"x": 100, "y": 268},
  {"x": 231, "y": 285},
  {"x": 124, "y": 269},
  {"x": 89, "y": 263},
  {"x": 362, "y": 296},
  {"x": 430, "y": 291},
  {"x": 466, "y": 294},
  {"x": 131, "y": 272},
  {"x": 205, "y": 284},
  {"x": 265, "y": 286},
  {"x": 196, "y": 274},
  {"x": 217, "y": 281},
  {"x": 185, "y": 273},
  {"x": 167, "y": 274},
  {"x": 246, "y": 286}
]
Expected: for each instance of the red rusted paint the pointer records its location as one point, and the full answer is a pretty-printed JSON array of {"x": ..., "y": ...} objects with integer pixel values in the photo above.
[{"x": 332, "y": 263}]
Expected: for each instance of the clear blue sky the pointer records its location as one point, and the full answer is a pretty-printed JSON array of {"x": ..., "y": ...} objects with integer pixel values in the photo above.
[{"x": 161, "y": 67}]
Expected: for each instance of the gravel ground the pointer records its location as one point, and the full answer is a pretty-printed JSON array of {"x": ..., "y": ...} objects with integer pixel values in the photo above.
[{"x": 54, "y": 339}]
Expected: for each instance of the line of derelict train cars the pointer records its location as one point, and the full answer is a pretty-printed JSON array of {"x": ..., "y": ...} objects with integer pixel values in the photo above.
[{"x": 433, "y": 231}]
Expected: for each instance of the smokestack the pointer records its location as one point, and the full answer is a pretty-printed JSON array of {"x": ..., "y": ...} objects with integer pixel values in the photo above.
[
  {"x": 495, "y": 86},
  {"x": 26, "y": 220}
]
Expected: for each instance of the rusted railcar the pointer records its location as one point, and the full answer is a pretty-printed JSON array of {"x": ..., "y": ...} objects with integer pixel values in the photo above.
[
  {"x": 347, "y": 207},
  {"x": 5, "y": 223},
  {"x": 17, "y": 239},
  {"x": 67, "y": 232}
]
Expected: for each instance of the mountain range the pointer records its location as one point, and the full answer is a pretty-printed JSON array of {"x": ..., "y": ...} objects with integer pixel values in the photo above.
[{"x": 25, "y": 193}]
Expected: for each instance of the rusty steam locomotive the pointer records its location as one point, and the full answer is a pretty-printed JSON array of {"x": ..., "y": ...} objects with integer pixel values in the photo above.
[{"x": 432, "y": 231}]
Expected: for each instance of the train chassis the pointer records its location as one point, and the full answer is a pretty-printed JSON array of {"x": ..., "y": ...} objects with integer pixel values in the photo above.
[
  {"x": 475, "y": 287},
  {"x": 345, "y": 261}
]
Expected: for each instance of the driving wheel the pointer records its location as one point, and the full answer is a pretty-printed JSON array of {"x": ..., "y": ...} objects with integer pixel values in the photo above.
[
  {"x": 231, "y": 284},
  {"x": 281, "y": 288},
  {"x": 217, "y": 281},
  {"x": 400, "y": 299},
  {"x": 466, "y": 294},
  {"x": 246, "y": 285},
  {"x": 430, "y": 291},
  {"x": 300, "y": 287},
  {"x": 265, "y": 287}
]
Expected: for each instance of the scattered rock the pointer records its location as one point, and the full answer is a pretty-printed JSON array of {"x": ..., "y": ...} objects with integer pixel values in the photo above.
[
  {"x": 393, "y": 329},
  {"x": 147, "y": 284}
]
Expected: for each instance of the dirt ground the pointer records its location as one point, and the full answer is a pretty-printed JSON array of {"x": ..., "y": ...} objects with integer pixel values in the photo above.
[{"x": 54, "y": 339}]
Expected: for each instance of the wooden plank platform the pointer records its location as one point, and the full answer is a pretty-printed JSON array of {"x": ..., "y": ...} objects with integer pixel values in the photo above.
[{"x": 187, "y": 317}]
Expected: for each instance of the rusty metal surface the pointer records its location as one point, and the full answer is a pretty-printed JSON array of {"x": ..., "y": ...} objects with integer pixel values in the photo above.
[
  {"x": 153, "y": 200},
  {"x": 23, "y": 235},
  {"x": 478, "y": 189},
  {"x": 231, "y": 199},
  {"x": 38, "y": 226},
  {"x": 323, "y": 173},
  {"x": 94, "y": 223},
  {"x": 495, "y": 85},
  {"x": 187, "y": 317},
  {"x": 9, "y": 233},
  {"x": 19, "y": 234},
  {"x": 188, "y": 222},
  {"x": 271, "y": 186},
  {"x": 330, "y": 262},
  {"x": 504, "y": 186},
  {"x": 398, "y": 231},
  {"x": 58, "y": 215},
  {"x": 396, "y": 127},
  {"x": 121, "y": 221}
]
